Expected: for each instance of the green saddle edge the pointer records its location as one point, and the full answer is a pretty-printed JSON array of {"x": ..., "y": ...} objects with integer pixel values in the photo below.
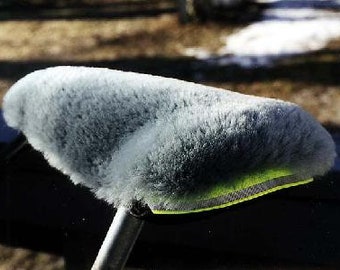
[{"x": 241, "y": 189}]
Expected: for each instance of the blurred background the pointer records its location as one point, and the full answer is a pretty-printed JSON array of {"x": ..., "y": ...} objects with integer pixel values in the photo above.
[{"x": 287, "y": 49}]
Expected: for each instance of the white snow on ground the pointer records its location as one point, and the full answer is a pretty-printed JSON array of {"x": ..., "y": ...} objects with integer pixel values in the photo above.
[
  {"x": 198, "y": 53},
  {"x": 288, "y": 28},
  {"x": 296, "y": 14},
  {"x": 264, "y": 42}
]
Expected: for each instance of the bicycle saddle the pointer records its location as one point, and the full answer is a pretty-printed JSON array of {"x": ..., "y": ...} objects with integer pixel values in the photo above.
[{"x": 176, "y": 146}]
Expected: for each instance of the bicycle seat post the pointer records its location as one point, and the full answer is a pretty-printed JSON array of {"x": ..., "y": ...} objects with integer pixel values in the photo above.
[{"x": 118, "y": 241}]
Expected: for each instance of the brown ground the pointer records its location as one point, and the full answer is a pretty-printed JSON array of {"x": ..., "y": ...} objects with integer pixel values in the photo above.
[
  {"x": 164, "y": 38},
  {"x": 22, "y": 259},
  {"x": 311, "y": 81}
]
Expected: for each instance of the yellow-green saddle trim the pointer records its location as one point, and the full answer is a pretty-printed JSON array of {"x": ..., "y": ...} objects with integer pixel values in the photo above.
[{"x": 258, "y": 183}]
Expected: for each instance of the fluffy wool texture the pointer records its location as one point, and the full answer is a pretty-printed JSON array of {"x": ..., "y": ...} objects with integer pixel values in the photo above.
[{"x": 130, "y": 136}]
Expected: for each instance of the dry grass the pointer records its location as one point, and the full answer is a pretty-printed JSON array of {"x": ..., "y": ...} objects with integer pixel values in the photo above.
[
  {"x": 23, "y": 259},
  {"x": 99, "y": 40},
  {"x": 4, "y": 85}
]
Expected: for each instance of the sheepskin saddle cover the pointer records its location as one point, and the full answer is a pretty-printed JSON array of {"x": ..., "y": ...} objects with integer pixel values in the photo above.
[{"x": 176, "y": 146}]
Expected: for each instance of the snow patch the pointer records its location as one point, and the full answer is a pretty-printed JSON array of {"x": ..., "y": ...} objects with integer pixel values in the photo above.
[
  {"x": 263, "y": 42},
  {"x": 287, "y": 28},
  {"x": 198, "y": 53}
]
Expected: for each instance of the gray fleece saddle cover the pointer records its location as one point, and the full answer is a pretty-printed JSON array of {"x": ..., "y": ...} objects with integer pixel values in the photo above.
[{"x": 176, "y": 146}]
